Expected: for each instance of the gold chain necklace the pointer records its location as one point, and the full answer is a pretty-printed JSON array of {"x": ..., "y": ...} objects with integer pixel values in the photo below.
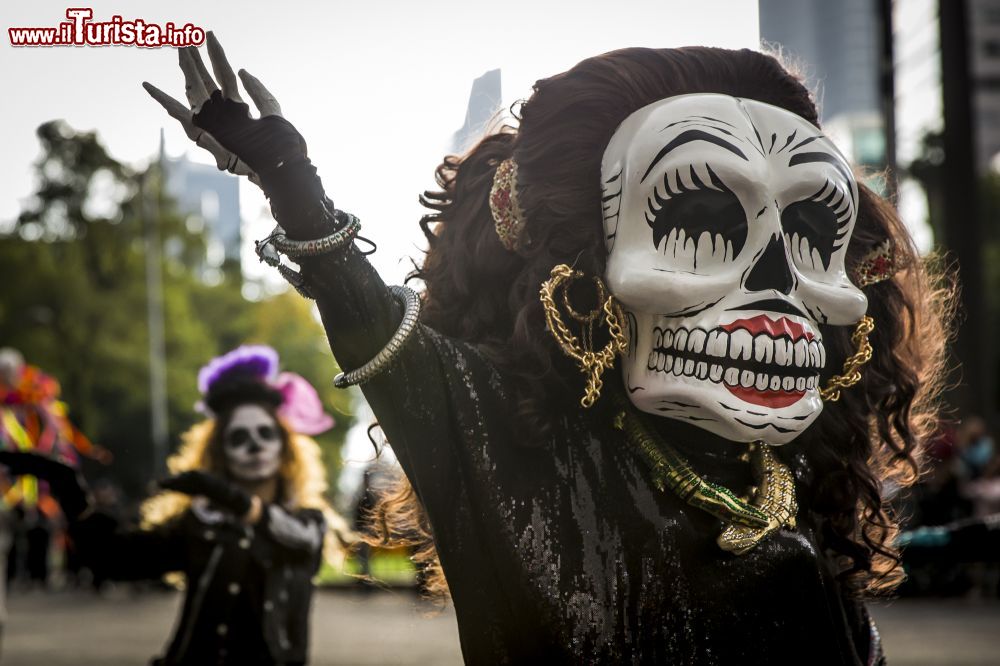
[{"x": 747, "y": 522}]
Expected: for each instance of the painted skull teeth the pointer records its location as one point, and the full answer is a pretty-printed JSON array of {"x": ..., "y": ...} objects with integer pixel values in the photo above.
[
  {"x": 761, "y": 361},
  {"x": 727, "y": 223}
]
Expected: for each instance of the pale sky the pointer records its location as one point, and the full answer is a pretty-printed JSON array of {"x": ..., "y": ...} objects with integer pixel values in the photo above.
[{"x": 376, "y": 88}]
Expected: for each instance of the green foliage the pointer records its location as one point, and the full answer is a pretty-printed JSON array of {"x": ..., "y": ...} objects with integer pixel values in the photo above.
[
  {"x": 287, "y": 322},
  {"x": 74, "y": 302},
  {"x": 392, "y": 567}
]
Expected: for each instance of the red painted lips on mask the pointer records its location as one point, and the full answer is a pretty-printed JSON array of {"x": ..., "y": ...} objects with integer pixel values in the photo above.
[
  {"x": 783, "y": 327},
  {"x": 764, "y": 324}
]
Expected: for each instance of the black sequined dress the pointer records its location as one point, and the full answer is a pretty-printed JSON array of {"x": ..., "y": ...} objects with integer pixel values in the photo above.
[{"x": 567, "y": 553}]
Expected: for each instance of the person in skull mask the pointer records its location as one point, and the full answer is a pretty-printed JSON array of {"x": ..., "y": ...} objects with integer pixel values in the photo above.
[
  {"x": 244, "y": 520},
  {"x": 676, "y": 215}
]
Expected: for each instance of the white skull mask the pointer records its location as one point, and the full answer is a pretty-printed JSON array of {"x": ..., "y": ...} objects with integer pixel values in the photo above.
[
  {"x": 727, "y": 222},
  {"x": 252, "y": 444}
]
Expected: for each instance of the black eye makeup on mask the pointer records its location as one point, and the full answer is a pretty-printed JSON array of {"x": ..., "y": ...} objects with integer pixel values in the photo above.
[
  {"x": 240, "y": 436},
  {"x": 816, "y": 227},
  {"x": 701, "y": 222}
]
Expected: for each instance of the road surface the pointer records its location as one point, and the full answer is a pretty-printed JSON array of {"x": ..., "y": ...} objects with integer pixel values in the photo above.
[{"x": 387, "y": 627}]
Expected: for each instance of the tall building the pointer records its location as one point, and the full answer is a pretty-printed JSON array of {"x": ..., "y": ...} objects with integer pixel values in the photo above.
[
  {"x": 836, "y": 45},
  {"x": 485, "y": 101},
  {"x": 213, "y": 196}
]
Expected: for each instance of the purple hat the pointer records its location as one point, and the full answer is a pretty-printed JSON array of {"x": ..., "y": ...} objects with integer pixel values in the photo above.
[{"x": 250, "y": 374}]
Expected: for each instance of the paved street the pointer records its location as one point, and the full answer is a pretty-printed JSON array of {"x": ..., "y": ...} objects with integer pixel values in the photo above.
[
  {"x": 392, "y": 628},
  {"x": 348, "y": 628},
  {"x": 940, "y": 632}
]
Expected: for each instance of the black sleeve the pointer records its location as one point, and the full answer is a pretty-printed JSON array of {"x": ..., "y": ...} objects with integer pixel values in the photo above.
[
  {"x": 413, "y": 398},
  {"x": 118, "y": 553}
]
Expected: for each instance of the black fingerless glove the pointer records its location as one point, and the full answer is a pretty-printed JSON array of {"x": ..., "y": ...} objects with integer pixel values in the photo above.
[
  {"x": 276, "y": 152},
  {"x": 68, "y": 487},
  {"x": 263, "y": 143},
  {"x": 218, "y": 491}
]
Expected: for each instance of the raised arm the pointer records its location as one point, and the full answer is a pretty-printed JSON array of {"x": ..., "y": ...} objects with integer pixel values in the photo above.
[
  {"x": 273, "y": 155},
  {"x": 364, "y": 319}
]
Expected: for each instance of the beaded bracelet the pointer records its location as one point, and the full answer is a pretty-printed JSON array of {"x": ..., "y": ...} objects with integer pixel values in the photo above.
[{"x": 385, "y": 357}]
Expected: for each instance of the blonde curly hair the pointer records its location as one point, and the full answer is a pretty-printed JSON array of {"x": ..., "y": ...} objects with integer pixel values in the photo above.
[{"x": 302, "y": 474}]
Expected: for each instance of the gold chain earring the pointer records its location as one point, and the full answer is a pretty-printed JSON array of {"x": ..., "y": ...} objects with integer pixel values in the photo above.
[
  {"x": 852, "y": 365},
  {"x": 592, "y": 363}
]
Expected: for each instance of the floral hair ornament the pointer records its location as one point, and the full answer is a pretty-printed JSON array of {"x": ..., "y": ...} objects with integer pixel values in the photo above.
[
  {"x": 880, "y": 264},
  {"x": 507, "y": 214},
  {"x": 250, "y": 373}
]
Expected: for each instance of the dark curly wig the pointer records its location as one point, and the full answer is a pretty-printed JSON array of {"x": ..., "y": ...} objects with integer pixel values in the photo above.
[{"x": 481, "y": 293}]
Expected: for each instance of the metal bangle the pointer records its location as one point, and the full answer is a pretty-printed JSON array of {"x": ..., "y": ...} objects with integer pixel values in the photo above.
[
  {"x": 385, "y": 357},
  {"x": 268, "y": 248},
  {"x": 294, "y": 249}
]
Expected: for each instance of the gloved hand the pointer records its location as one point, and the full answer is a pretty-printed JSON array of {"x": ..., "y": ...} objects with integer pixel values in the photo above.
[
  {"x": 269, "y": 150},
  {"x": 67, "y": 485},
  {"x": 217, "y": 490}
]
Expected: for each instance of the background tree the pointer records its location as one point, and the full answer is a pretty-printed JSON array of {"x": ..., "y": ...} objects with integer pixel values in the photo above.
[{"x": 74, "y": 303}]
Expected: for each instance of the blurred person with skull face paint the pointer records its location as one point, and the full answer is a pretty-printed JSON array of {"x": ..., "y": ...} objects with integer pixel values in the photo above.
[
  {"x": 675, "y": 217},
  {"x": 243, "y": 518}
]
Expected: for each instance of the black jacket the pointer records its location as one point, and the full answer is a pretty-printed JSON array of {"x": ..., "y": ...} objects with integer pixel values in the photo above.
[
  {"x": 248, "y": 589},
  {"x": 567, "y": 553}
]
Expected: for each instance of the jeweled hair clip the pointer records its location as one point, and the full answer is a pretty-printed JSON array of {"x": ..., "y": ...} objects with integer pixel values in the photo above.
[
  {"x": 880, "y": 264},
  {"x": 507, "y": 214}
]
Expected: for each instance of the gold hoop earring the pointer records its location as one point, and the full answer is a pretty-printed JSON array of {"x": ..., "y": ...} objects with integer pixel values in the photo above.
[
  {"x": 852, "y": 366},
  {"x": 592, "y": 363}
]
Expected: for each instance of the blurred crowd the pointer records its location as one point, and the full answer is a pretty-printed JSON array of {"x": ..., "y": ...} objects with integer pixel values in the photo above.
[
  {"x": 40, "y": 555},
  {"x": 960, "y": 486}
]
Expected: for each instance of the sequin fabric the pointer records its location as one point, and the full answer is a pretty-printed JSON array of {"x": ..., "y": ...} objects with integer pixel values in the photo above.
[{"x": 567, "y": 553}]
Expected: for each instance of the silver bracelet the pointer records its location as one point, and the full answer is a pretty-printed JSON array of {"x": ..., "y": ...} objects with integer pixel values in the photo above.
[
  {"x": 385, "y": 357},
  {"x": 277, "y": 241},
  {"x": 293, "y": 249}
]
